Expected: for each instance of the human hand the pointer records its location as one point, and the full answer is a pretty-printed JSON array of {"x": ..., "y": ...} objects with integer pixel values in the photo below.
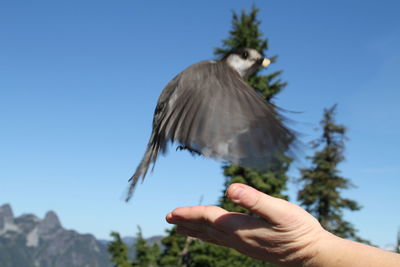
[{"x": 284, "y": 233}]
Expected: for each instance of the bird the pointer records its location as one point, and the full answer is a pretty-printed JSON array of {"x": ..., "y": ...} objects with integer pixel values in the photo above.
[{"x": 209, "y": 109}]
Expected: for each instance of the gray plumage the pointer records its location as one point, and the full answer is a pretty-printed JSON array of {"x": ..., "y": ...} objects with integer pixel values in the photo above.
[{"x": 210, "y": 109}]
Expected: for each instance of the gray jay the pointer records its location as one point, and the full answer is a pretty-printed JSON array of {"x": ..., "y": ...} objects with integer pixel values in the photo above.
[{"x": 209, "y": 109}]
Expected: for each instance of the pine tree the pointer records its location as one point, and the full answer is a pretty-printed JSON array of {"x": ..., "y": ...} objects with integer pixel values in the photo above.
[
  {"x": 176, "y": 250},
  {"x": 246, "y": 33},
  {"x": 119, "y": 251},
  {"x": 322, "y": 184},
  {"x": 146, "y": 256}
]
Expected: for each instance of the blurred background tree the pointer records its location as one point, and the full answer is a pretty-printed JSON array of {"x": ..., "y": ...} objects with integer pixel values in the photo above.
[
  {"x": 321, "y": 194},
  {"x": 118, "y": 251},
  {"x": 146, "y": 255}
]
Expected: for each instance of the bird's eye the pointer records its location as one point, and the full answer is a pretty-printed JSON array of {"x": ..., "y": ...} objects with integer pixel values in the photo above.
[{"x": 245, "y": 55}]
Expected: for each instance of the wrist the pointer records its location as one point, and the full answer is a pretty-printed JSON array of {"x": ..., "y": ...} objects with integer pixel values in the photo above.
[
  {"x": 308, "y": 252},
  {"x": 323, "y": 250},
  {"x": 331, "y": 250}
]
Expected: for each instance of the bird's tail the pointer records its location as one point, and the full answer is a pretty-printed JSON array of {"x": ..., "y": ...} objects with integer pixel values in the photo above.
[{"x": 149, "y": 157}]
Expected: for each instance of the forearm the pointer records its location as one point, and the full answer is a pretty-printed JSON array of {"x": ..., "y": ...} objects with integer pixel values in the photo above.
[{"x": 338, "y": 252}]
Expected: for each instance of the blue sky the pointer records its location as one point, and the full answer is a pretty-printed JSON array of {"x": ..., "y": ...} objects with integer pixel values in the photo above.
[{"x": 79, "y": 81}]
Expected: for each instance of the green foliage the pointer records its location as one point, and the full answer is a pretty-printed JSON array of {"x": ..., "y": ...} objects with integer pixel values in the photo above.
[
  {"x": 146, "y": 256},
  {"x": 173, "y": 254},
  {"x": 322, "y": 184},
  {"x": 119, "y": 251}
]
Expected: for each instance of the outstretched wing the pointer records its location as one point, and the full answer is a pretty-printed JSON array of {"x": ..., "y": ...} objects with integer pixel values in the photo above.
[
  {"x": 210, "y": 109},
  {"x": 215, "y": 112}
]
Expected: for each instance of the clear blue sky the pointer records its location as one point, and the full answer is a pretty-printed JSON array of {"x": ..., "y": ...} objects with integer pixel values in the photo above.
[{"x": 79, "y": 81}]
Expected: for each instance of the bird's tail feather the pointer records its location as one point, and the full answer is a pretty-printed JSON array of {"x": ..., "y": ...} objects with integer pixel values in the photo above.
[{"x": 149, "y": 157}]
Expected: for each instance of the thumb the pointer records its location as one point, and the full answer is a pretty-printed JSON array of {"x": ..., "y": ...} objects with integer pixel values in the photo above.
[{"x": 272, "y": 209}]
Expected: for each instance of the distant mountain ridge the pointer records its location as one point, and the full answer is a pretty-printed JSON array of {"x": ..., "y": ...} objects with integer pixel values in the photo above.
[{"x": 27, "y": 241}]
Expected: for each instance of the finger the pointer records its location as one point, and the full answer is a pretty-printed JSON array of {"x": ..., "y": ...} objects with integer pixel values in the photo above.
[
  {"x": 198, "y": 217},
  {"x": 196, "y": 214},
  {"x": 272, "y": 209},
  {"x": 204, "y": 222}
]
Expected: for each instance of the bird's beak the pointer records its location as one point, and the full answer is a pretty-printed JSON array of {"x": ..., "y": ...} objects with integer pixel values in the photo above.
[{"x": 266, "y": 62}]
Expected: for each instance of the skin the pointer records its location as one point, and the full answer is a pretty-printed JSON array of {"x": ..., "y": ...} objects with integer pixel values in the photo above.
[{"x": 283, "y": 234}]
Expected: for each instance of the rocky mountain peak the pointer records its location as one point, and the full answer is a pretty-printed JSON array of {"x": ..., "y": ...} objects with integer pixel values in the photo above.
[
  {"x": 6, "y": 215},
  {"x": 51, "y": 220},
  {"x": 32, "y": 241},
  {"x": 6, "y": 211},
  {"x": 49, "y": 225}
]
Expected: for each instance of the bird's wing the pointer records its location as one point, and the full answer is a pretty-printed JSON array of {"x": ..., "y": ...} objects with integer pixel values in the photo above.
[
  {"x": 210, "y": 109},
  {"x": 215, "y": 112}
]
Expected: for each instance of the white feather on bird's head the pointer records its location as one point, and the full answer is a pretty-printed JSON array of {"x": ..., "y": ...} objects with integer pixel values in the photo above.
[{"x": 245, "y": 61}]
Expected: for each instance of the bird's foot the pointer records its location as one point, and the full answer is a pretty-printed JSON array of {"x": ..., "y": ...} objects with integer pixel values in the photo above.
[{"x": 192, "y": 151}]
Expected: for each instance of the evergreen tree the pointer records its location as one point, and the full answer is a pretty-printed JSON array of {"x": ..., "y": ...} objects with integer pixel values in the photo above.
[
  {"x": 246, "y": 33},
  {"x": 398, "y": 242},
  {"x": 119, "y": 251},
  {"x": 178, "y": 250},
  {"x": 322, "y": 184},
  {"x": 146, "y": 256}
]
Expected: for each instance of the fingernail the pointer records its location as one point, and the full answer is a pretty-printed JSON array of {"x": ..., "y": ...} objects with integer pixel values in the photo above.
[{"x": 236, "y": 193}]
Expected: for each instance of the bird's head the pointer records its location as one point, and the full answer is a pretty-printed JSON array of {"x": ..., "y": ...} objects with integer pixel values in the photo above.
[{"x": 245, "y": 61}]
